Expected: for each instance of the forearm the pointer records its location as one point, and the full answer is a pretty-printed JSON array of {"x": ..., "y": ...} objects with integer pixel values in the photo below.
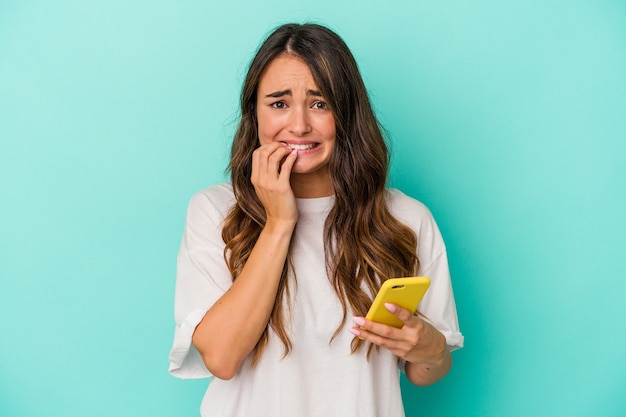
[
  {"x": 431, "y": 361},
  {"x": 233, "y": 325},
  {"x": 428, "y": 373}
]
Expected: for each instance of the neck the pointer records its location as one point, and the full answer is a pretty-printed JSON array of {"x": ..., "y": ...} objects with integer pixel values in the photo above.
[{"x": 304, "y": 186}]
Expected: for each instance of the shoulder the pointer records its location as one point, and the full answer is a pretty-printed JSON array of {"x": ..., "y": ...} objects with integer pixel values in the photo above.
[
  {"x": 405, "y": 208},
  {"x": 419, "y": 218},
  {"x": 214, "y": 201},
  {"x": 218, "y": 194}
]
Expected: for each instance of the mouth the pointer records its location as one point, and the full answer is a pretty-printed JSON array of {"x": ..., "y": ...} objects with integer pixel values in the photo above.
[{"x": 301, "y": 146}]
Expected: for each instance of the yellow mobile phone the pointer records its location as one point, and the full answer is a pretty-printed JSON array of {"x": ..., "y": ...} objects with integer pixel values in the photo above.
[{"x": 405, "y": 292}]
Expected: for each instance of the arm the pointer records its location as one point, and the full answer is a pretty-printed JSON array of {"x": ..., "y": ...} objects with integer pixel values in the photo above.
[
  {"x": 436, "y": 359},
  {"x": 418, "y": 343},
  {"x": 230, "y": 317}
]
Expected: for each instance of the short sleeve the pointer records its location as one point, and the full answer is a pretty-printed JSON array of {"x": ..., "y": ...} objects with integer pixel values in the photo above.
[
  {"x": 438, "y": 305},
  {"x": 202, "y": 276}
]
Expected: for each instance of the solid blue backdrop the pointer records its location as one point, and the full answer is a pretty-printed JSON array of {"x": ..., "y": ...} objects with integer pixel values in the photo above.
[{"x": 507, "y": 119}]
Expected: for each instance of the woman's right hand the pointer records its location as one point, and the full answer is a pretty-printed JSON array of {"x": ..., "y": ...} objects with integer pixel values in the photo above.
[
  {"x": 257, "y": 284},
  {"x": 271, "y": 170}
]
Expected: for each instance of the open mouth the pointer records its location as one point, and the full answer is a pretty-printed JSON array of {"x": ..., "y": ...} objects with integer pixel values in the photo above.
[{"x": 301, "y": 147}]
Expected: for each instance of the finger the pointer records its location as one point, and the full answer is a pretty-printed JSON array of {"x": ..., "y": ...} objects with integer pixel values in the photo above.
[
  {"x": 259, "y": 162},
  {"x": 382, "y": 330},
  {"x": 276, "y": 159},
  {"x": 256, "y": 166},
  {"x": 389, "y": 343},
  {"x": 285, "y": 169},
  {"x": 402, "y": 313},
  {"x": 265, "y": 161},
  {"x": 397, "y": 341}
]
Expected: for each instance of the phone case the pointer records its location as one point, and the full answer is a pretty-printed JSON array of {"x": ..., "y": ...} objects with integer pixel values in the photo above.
[{"x": 405, "y": 292}]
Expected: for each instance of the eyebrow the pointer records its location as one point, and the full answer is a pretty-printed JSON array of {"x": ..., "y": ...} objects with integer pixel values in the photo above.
[{"x": 282, "y": 93}]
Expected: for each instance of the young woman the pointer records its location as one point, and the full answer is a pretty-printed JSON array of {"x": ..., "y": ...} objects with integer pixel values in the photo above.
[{"x": 277, "y": 269}]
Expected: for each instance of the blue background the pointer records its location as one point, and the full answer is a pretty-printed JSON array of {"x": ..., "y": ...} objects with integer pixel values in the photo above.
[{"x": 508, "y": 119}]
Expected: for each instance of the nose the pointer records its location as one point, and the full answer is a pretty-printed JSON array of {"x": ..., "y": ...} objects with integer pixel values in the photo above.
[{"x": 299, "y": 121}]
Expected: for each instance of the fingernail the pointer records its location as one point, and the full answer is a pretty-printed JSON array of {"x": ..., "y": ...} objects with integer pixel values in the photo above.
[
  {"x": 390, "y": 307},
  {"x": 358, "y": 320},
  {"x": 354, "y": 331},
  {"x": 295, "y": 151}
]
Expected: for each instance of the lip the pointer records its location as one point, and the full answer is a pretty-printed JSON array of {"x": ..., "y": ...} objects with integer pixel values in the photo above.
[{"x": 302, "y": 146}]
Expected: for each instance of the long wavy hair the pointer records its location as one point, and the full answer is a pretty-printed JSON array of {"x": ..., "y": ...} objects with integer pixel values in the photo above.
[{"x": 364, "y": 244}]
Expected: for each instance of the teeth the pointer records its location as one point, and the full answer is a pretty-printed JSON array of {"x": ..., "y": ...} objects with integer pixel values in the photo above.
[{"x": 301, "y": 147}]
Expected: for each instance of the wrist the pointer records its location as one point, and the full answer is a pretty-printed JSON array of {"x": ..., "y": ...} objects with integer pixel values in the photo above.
[
  {"x": 279, "y": 227},
  {"x": 433, "y": 351}
]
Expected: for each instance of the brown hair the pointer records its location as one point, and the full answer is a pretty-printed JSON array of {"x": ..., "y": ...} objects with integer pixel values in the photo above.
[{"x": 364, "y": 243}]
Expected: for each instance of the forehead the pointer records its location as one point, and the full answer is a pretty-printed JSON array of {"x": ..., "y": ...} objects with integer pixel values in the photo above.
[{"x": 286, "y": 72}]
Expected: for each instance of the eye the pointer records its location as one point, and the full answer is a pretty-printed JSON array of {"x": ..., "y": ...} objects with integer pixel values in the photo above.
[
  {"x": 320, "y": 105},
  {"x": 278, "y": 105}
]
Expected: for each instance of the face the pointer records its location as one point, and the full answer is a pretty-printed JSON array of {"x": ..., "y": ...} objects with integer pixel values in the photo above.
[{"x": 291, "y": 110}]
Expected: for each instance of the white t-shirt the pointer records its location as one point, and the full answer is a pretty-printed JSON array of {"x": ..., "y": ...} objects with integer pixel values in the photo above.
[{"x": 317, "y": 378}]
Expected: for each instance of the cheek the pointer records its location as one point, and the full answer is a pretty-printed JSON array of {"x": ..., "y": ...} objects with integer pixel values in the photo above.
[
  {"x": 264, "y": 138},
  {"x": 267, "y": 129},
  {"x": 330, "y": 131}
]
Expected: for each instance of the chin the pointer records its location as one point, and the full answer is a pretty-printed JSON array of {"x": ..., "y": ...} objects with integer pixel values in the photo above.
[
  {"x": 307, "y": 168},
  {"x": 304, "y": 168}
]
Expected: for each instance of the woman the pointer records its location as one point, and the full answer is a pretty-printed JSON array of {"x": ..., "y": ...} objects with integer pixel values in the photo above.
[{"x": 277, "y": 268}]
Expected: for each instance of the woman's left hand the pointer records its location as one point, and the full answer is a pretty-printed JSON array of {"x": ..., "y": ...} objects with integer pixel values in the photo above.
[{"x": 416, "y": 342}]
